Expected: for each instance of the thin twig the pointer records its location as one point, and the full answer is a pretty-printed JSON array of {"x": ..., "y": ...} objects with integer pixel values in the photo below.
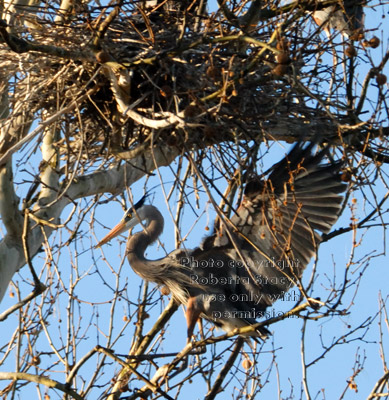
[
  {"x": 36, "y": 292},
  {"x": 42, "y": 380},
  {"x": 215, "y": 390}
]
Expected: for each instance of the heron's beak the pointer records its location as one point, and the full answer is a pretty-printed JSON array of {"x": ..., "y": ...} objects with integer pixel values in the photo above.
[{"x": 121, "y": 227}]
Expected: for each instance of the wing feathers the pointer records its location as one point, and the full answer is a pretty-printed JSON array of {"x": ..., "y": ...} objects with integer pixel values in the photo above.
[
  {"x": 284, "y": 215},
  {"x": 277, "y": 228}
]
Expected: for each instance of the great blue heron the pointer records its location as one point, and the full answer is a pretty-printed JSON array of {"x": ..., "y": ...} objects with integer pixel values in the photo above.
[
  {"x": 239, "y": 271},
  {"x": 346, "y": 17}
]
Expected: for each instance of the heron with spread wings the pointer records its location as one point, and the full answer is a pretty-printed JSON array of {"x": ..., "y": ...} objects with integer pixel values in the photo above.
[{"x": 258, "y": 255}]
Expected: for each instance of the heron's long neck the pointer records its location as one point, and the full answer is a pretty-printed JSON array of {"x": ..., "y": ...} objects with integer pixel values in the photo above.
[{"x": 138, "y": 243}]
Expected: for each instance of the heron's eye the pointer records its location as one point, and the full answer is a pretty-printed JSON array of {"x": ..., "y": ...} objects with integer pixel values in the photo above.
[{"x": 127, "y": 216}]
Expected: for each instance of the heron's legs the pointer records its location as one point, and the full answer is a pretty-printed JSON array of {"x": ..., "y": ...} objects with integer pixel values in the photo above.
[
  {"x": 201, "y": 328},
  {"x": 192, "y": 315}
]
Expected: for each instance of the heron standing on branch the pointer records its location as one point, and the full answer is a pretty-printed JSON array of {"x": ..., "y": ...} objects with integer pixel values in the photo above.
[{"x": 258, "y": 255}]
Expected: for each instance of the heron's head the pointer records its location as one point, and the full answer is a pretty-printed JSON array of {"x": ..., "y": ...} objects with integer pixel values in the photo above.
[{"x": 131, "y": 218}]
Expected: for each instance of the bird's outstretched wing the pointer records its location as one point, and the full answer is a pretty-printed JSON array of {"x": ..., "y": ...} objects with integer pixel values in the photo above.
[{"x": 277, "y": 228}]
